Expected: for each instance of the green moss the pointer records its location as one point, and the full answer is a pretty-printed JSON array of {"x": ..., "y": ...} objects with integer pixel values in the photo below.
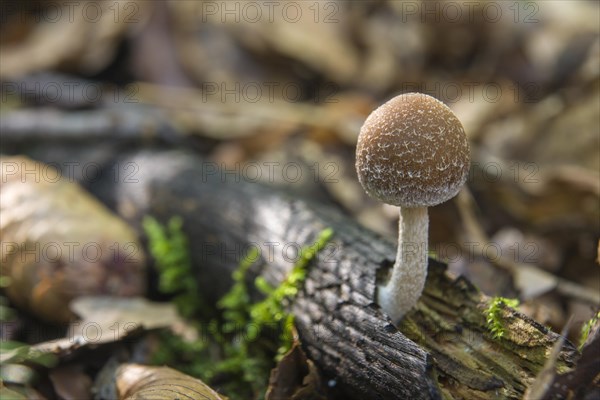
[
  {"x": 585, "y": 330},
  {"x": 237, "y": 350},
  {"x": 236, "y": 302},
  {"x": 266, "y": 317},
  {"x": 271, "y": 309},
  {"x": 494, "y": 315},
  {"x": 169, "y": 247}
]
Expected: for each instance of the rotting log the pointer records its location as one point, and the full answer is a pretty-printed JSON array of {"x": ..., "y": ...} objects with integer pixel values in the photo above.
[{"x": 442, "y": 349}]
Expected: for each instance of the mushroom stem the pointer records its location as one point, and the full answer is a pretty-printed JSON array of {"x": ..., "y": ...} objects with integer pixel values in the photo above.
[{"x": 403, "y": 289}]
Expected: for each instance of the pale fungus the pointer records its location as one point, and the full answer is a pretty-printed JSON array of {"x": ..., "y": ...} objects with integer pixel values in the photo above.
[{"x": 412, "y": 152}]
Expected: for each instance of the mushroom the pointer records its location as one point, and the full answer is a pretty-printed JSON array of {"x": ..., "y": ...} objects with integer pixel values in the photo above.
[{"x": 412, "y": 152}]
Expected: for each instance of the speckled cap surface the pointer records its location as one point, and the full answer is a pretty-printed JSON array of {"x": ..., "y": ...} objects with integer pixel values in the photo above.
[{"x": 412, "y": 151}]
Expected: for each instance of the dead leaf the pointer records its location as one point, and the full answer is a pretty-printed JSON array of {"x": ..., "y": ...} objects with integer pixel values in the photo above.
[
  {"x": 532, "y": 281},
  {"x": 71, "y": 382},
  {"x": 318, "y": 42},
  {"x": 108, "y": 319},
  {"x": 295, "y": 377},
  {"x": 81, "y": 36},
  {"x": 137, "y": 382},
  {"x": 58, "y": 242}
]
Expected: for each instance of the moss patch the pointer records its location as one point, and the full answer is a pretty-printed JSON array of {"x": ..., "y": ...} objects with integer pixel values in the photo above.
[
  {"x": 494, "y": 315},
  {"x": 237, "y": 350}
]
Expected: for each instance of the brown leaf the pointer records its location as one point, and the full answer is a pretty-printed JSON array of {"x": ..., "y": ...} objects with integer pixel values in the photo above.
[
  {"x": 295, "y": 377},
  {"x": 75, "y": 39},
  {"x": 108, "y": 319},
  {"x": 58, "y": 242},
  {"x": 136, "y": 382},
  {"x": 71, "y": 382}
]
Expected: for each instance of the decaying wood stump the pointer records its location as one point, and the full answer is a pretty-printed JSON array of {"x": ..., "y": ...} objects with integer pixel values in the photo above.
[{"x": 443, "y": 348}]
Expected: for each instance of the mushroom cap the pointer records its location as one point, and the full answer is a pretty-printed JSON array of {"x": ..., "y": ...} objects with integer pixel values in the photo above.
[{"x": 412, "y": 152}]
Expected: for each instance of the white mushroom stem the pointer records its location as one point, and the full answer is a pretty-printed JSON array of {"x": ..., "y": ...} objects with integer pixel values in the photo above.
[{"x": 402, "y": 291}]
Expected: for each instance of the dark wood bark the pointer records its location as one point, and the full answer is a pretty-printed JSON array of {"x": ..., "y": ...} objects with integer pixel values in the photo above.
[{"x": 442, "y": 349}]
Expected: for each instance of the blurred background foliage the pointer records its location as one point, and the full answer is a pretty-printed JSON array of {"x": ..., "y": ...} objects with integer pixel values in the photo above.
[{"x": 249, "y": 85}]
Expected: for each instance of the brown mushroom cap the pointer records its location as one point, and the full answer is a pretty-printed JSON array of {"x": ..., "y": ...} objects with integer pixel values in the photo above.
[{"x": 412, "y": 151}]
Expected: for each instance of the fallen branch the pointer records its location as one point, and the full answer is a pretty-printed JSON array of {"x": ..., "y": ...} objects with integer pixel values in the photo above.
[{"x": 442, "y": 348}]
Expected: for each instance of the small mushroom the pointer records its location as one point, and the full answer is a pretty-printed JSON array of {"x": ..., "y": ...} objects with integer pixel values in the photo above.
[{"x": 412, "y": 152}]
